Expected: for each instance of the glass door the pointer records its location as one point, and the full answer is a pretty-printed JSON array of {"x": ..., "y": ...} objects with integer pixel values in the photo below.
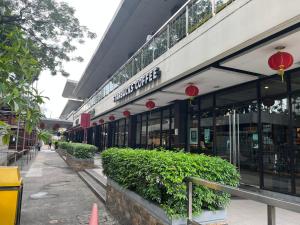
[
  {"x": 236, "y": 131},
  {"x": 237, "y": 142}
]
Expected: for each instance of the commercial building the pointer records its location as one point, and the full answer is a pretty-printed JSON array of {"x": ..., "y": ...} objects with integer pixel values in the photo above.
[{"x": 244, "y": 112}]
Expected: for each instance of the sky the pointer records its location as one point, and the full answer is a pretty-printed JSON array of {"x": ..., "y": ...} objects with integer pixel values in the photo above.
[{"x": 96, "y": 15}]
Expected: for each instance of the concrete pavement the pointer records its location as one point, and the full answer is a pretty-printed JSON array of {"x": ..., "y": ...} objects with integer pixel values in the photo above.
[{"x": 54, "y": 194}]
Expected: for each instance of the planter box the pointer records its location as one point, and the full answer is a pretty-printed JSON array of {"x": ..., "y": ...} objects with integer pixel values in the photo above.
[
  {"x": 132, "y": 209},
  {"x": 61, "y": 152},
  {"x": 79, "y": 164}
]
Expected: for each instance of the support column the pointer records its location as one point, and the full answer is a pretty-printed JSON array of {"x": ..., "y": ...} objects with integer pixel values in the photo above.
[
  {"x": 110, "y": 134},
  {"x": 180, "y": 124}
]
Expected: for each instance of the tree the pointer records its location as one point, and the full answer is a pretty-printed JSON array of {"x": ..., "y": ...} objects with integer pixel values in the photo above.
[
  {"x": 50, "y": 25},
  {"x": 35, "y": 35}
]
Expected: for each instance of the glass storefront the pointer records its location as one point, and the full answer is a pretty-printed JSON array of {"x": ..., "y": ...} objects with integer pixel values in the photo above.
[
  {"x": 255, "y": 126},
  {"x": 155, "y": 128}
]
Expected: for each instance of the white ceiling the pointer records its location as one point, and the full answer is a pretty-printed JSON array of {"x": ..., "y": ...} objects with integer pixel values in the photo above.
[
  {"x": 207, "y": 81},
  {"x": 256, "y": 60}
]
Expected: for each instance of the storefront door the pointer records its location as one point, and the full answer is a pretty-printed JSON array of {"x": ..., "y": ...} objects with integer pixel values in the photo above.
[{"x": 237, "y": 142}]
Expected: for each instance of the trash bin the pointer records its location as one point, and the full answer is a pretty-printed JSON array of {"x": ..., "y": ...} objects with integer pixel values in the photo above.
[{"x": 11, "y": 188}]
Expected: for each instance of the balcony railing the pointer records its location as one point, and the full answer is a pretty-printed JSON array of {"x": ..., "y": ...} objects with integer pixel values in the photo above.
[{"x": 186, "y": 20}]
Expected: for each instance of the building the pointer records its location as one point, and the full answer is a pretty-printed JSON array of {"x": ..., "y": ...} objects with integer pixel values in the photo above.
[{"x": 244, "y": 112}]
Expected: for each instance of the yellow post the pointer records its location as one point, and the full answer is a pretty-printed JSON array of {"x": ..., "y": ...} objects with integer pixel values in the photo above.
[{"x": 10, "y": 195}]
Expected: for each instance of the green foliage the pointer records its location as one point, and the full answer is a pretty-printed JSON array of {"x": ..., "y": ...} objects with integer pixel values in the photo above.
[
  {"x": 45, "y": 136},
  {"x": 51, "y": 25},
  {"x": 18, "y": 69},
  {"x": 5, "y": 132},
  {"x": 158, "y": 176},
  {"x": 78, "y": 150}
]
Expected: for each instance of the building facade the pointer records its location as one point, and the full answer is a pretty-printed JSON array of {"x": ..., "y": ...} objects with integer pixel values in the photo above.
[{"x": 244, "y": 111}]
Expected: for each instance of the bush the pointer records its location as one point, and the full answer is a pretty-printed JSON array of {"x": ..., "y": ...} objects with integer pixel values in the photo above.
[
  {"x": 158, "y": 176},
  {"x": 78, "y": 150}
]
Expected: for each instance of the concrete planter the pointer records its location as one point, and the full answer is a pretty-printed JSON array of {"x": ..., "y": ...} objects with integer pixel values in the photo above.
[
  {"x": 79, "y": 164},
  {"x": 132, "y": 209},
  {"x": 61, "y": 152}
]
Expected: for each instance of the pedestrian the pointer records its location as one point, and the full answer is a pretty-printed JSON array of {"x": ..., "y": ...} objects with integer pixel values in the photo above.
[
  {"x": 50, "y": 143},
  {"x": 38, "y": 145}
]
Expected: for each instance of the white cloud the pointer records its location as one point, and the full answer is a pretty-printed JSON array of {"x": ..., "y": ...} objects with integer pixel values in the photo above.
[{"x": 96, "y": 15}]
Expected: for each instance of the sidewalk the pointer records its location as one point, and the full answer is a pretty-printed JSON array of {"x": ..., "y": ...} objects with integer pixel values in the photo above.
[{"x": 54, "y": 194}]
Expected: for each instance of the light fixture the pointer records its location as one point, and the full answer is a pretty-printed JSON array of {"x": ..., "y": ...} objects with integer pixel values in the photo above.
[{"x": 266, "y": 87}]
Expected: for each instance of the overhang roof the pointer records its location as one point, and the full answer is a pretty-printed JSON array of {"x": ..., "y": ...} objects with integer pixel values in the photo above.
[
  {"x": 69, "y": 88},
  {"x": 71, "y": 105},
  {"x": 127, "y": 32},
  {"x": 49, "y": 123}
]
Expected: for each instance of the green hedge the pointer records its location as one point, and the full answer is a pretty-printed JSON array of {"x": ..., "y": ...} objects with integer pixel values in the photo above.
[
  {"x": 158, "y": 176},
  {"x": 80, "y": 151}
]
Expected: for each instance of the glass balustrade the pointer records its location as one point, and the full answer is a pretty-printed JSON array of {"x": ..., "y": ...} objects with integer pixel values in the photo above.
[{"x": 187, "y": 19}]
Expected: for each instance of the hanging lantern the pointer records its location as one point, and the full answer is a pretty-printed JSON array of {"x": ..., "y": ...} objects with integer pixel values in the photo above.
[
  {"x": 192, "y": 91},
  {"x": 150, "y": 104},
  {"x": 94, "y": 124},
  {"x": 281, "y": 61},
  {"x": 126, "y": 113},
  {"x": 111, "y": 118},
  {"x": 101, "y": 121}
]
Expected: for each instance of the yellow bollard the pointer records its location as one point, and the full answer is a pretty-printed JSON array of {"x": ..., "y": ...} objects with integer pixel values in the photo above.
[{"x": 11, "y": 188}]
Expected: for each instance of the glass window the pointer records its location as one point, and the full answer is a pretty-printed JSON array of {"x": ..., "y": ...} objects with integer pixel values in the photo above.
[
  {"x": 154, "y": 129},
  {"x": 172, "y": 128},
  {"x": 236, "y": 135},
  {"x": 275, "y": 123},
  {"x": 166, "y": 128},
  {"x": 116, "y": 133},
  {"x": 177, "y": 29},
  {"x": 121, "y": 132},
  {"x": 199, "y": 13},
  {"x": 144, "y": 131},
  {"x": 126, "y": 132}
]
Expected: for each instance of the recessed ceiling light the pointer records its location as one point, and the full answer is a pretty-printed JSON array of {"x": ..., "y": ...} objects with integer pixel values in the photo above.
[{"x": 266, "y": 87}]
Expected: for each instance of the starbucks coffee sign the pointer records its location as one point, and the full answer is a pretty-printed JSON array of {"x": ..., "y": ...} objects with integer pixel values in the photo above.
[{"x": 142, "y": 81}]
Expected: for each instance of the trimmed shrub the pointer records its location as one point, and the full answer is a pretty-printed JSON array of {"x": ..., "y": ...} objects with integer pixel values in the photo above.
[
  {"x": 158, "y": 176},
  {"x": 78, "y": 150}
]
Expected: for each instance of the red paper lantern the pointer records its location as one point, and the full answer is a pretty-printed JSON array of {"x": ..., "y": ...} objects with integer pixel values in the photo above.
[
  {"x": 111, "y": 118},
  {"x": 101, "y": 121},
  {"x": 192, "y": 91},
  {"x": 126, "y": 113},
  {"x": 150, "y": 104},
  {"x": 281, "y": 61}
]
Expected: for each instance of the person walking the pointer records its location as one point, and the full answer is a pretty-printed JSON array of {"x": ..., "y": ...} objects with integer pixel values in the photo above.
[{"x": 50, "y": 143}]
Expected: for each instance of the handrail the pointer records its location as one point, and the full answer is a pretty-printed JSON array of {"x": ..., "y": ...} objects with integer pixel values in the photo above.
[{"x": 270, "y": 201}]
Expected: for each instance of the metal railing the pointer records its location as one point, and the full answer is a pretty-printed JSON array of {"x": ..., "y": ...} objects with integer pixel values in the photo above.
[
  {"x": 17, "y": 158},
  {"x": 192, "y": 15},
  {"x": 270, "y": 201}
]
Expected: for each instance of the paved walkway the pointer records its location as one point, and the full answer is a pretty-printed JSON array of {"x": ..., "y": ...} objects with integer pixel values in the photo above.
[
  {"x": 246, "y": 212},
  {"x": 54, "y": 194}
]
